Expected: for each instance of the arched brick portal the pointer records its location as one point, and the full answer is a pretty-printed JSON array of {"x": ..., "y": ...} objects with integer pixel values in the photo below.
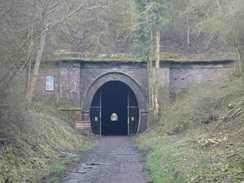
[
  {"x": 78, "y": 81},
  {"x": 115, "y": 76}
]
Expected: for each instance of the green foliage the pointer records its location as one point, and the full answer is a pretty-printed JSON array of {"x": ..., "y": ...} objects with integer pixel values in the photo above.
[
  {"x": 184, "y": 148},
  {"x": 150, "y": 15},
  {"x": 33, "y": 147},
  {"x": 173, "y": 160},
  {"x": 15, "y": 160},
  {"x": 58, "y": 168},
  {"x": 155, "y": 12}
]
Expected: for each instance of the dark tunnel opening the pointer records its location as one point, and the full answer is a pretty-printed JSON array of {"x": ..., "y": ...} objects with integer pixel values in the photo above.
[
  {"x": 114, "y": 101},
  {"x": 110, "y": 110}
]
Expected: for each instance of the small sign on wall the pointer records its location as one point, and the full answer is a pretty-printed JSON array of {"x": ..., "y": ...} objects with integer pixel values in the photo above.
[{"x": 49, "y": 83}]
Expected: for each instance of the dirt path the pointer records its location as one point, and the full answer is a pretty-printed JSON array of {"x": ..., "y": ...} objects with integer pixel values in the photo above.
[{"x": 115, "y": 160}]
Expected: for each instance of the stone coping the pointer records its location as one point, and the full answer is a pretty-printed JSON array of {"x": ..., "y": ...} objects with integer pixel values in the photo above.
[
  {"x": 125, "y": 57},
  {"x": 69, "y": 108}
]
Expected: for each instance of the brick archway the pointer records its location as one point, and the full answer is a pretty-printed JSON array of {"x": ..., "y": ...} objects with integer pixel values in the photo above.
[{"x": 115, "y": 76}]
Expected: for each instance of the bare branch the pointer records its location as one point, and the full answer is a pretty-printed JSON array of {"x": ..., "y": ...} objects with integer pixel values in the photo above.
[{"x": 72, "y": 13}]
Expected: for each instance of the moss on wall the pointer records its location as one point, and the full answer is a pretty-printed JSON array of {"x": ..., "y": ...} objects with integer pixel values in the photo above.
[{"x": 122, "y": 57}]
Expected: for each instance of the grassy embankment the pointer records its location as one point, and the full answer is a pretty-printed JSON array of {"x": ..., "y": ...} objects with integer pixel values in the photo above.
[
  {"x": 37, "y": 148},
  {"x": 200, "y": 138}
]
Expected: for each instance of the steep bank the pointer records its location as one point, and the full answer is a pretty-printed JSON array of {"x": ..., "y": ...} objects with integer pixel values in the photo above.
[
  {"x": 200, "y": 138},
  {"x": 37, "y": 146}
]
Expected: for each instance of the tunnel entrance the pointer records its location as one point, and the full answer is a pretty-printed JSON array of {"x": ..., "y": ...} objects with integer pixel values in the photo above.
[{"x": 114, "y": 110}]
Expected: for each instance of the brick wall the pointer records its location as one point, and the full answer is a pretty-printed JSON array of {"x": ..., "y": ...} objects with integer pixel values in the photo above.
[
  {"x": 185, "y": 76},
  {"x": 90, "y": 72},
  {"x": 75, "y": 81},
  {"x": 69, "y": 84}
]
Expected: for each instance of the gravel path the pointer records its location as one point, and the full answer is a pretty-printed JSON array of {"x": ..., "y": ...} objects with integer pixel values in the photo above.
[{"x": 115, "y": 160}]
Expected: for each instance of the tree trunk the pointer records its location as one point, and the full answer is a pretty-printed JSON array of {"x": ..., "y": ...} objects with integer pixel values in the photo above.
[
  {"x": 28, "y": 79},
  {"x": 36, "y": 68},
  {"x": 31, "y": 88},
  {"x": 157, "y": 66},
  {"x": 241, "y": 60},
  {"x": 28, "y": 61},
  {"x": 188, "y": 29},
  {"x": 150, "y": 77}
]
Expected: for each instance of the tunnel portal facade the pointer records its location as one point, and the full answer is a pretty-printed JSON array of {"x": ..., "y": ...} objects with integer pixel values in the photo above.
[
  {"x": 113, "y": 101},
  {"x": 112, "y": 98}
]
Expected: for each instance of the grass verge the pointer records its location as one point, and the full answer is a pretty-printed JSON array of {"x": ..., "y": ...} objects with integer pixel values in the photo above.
[
  {"x": 38, "y": 146},
  {"x": 200, "y": 138}
]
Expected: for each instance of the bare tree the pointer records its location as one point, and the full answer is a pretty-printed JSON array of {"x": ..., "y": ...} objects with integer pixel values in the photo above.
[
  {"x": 99, "y": 31},
  {"x": 47, "y": 22},
  {"x": 24, "y": 31}
]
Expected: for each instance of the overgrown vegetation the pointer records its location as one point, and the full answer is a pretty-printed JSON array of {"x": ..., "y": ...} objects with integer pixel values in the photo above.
[
  {"x": 200, "y": 138},
  {"x": 206, "y": 120},
  {"x": 38, "y": 146}
]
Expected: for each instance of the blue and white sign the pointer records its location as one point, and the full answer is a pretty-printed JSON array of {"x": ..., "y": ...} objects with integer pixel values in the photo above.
[{"x": 49, "y": 83}]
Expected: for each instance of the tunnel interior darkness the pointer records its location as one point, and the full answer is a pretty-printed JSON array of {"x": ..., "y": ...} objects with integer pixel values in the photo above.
[
  {"x": 114, "y": 100},
  {"x": 109, "y": 110}
]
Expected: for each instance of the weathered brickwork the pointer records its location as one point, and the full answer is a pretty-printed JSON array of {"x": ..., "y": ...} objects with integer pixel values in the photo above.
[
  {"x": 183, "y": 76},
  {"x": 94, "y": 75},
  {"x": 40, "y": 88},
  {"x": 92, "y": 72},
  {"x": 69, "y": 84},
  {"x": 76, "y": 82},
  {"x": 19, "y": 83}
]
